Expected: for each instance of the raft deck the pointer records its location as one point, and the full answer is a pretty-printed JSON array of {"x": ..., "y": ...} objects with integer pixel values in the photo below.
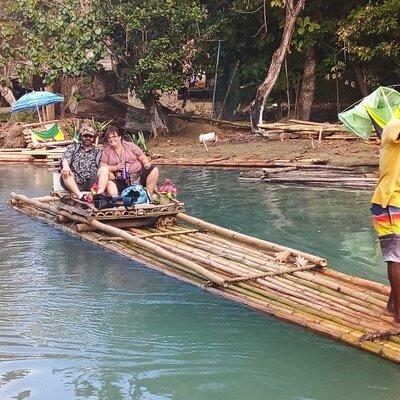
[{"x": 292, "y": 285}]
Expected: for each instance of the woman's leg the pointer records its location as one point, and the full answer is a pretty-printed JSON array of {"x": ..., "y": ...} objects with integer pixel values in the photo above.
[
  {"x": 112, "y": 189},
  {"x": 151, "y": 180},
  {"x": 102, "y": 175}
]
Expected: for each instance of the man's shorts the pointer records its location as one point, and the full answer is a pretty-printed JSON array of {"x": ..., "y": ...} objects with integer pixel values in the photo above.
[
  {"x": 85, "y": 186},
  {"x": 387, "y": 225}
]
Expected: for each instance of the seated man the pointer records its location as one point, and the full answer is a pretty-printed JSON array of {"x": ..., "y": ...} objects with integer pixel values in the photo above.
[{"x": 80, "y": 165}]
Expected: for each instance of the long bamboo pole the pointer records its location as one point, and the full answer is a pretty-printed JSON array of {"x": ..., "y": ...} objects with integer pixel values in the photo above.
[{"x": 248, "y": 239}]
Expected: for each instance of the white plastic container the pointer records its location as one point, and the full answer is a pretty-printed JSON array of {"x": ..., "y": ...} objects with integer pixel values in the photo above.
[{"x": 208, "y": 137}]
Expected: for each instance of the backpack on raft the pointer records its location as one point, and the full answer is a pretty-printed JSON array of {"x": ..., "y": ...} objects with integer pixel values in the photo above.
[{"x": 135, "y": 194}]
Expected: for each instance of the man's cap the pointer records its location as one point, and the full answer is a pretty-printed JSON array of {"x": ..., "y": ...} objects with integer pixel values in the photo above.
[{"x": 87, "y": 129}]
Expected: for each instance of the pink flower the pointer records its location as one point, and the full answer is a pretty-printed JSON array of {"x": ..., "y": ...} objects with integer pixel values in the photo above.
[
  {"x": 168, "y": 189},
  {"x": 94, "y": 189}
]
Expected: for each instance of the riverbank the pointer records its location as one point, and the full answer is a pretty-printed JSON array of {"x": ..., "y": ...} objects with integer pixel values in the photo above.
[{"x": 239, "y": 146}]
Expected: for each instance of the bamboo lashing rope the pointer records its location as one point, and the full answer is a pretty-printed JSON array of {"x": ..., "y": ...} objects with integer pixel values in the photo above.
[
  {"x": 379, "y": 335},
  {"x": 268, "y": 274}
]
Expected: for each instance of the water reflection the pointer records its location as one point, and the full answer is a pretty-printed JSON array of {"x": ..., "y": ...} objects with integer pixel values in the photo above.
[{"x": 79, "y": 322}]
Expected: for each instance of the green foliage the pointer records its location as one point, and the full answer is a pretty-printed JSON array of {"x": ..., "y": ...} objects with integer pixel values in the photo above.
[
  {"x": 99, "y": 127},
  {"x": 55, "y": 39},
  {"x": 139, "y": 139},
  {"x": 151, "y": 40},
  {"x": 373, "y": 31},
  {"x": 158, "y": 38},
  {"x": 306, "y": 33}
]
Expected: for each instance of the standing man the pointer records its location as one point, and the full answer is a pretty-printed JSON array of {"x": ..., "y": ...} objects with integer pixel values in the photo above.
[
  {"x": 386, "y": 213},
  {"x": 80, "y": 165}
]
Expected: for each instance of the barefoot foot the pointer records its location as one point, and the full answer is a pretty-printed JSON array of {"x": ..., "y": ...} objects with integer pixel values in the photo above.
[
  {"x": 388, "y": 312},
  {"x": 396, "y": 323}
]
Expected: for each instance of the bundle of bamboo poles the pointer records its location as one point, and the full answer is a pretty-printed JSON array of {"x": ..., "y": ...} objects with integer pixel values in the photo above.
[
  {"x": 321, "y": 176},
  {"x": 229, "y": 163},
  {"x": 34, "y": 155},
  {"x": 294, "y": 286},
  {"x": 307, "y": 128}
]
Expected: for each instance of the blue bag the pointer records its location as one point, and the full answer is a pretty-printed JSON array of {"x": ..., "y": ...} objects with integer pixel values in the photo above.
[{"x": 135, "y": 194}]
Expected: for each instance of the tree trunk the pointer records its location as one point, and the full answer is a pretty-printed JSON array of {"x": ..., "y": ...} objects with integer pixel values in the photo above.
[
  {"x": 7, "y": 93},
  {"x": 307, "y": 90},
  {"x": 360, "y": 78},
  {"x": 264, "y": 90},
  {"x": 158, "y": 118}
]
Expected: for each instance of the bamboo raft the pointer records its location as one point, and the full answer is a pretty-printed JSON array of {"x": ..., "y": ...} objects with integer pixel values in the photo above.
[
  {"x": 320, "y": 176},
  {"x": 291, "y": 285},
  {"x": 37, "y": 156}
]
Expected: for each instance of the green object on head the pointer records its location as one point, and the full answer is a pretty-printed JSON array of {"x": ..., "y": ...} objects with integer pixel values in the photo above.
[{"x": 374, "y": 111}]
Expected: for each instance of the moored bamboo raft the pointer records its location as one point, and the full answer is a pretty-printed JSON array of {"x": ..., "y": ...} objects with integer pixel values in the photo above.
[
  {"x": 318, "y": 177},
  {"x": 294, "y": 286}
]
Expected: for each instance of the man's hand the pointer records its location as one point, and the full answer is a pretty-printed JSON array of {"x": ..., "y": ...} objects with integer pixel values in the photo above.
[
  {"x": 120, "y": 166},
  {"x": 66, "y": 172}
]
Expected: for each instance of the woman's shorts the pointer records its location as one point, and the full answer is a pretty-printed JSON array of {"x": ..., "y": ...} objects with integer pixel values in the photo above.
[
  {"x": 387, "y": 225},
  {"x": 144, "y": 173}
]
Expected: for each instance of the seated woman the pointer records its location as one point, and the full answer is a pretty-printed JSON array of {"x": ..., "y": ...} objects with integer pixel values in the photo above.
[{"x": 127, "y": 164}]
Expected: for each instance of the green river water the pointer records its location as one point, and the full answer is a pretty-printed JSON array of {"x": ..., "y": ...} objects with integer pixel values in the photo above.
[{"x": 78, "y": 322}]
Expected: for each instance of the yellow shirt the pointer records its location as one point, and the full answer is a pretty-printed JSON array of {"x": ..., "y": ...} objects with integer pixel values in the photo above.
[{"x": 387, "y": 191}]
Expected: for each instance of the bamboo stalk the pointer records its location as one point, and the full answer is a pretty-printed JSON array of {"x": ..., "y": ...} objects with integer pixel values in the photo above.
[
  {"x": 378, "y": 287},
  {"x": 248, "y": 239},
  {"x": 180, "y": 232}
]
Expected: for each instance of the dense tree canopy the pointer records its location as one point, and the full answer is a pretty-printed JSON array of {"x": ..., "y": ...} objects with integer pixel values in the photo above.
[{"x": 155, "y": 42}]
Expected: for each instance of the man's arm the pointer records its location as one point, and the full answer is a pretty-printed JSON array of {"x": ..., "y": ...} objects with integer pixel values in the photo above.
[{"x": 66, "y": 160}]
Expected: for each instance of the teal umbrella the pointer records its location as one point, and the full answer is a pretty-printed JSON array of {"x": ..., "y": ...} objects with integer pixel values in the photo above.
[{"x": 36, "y": 100}]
